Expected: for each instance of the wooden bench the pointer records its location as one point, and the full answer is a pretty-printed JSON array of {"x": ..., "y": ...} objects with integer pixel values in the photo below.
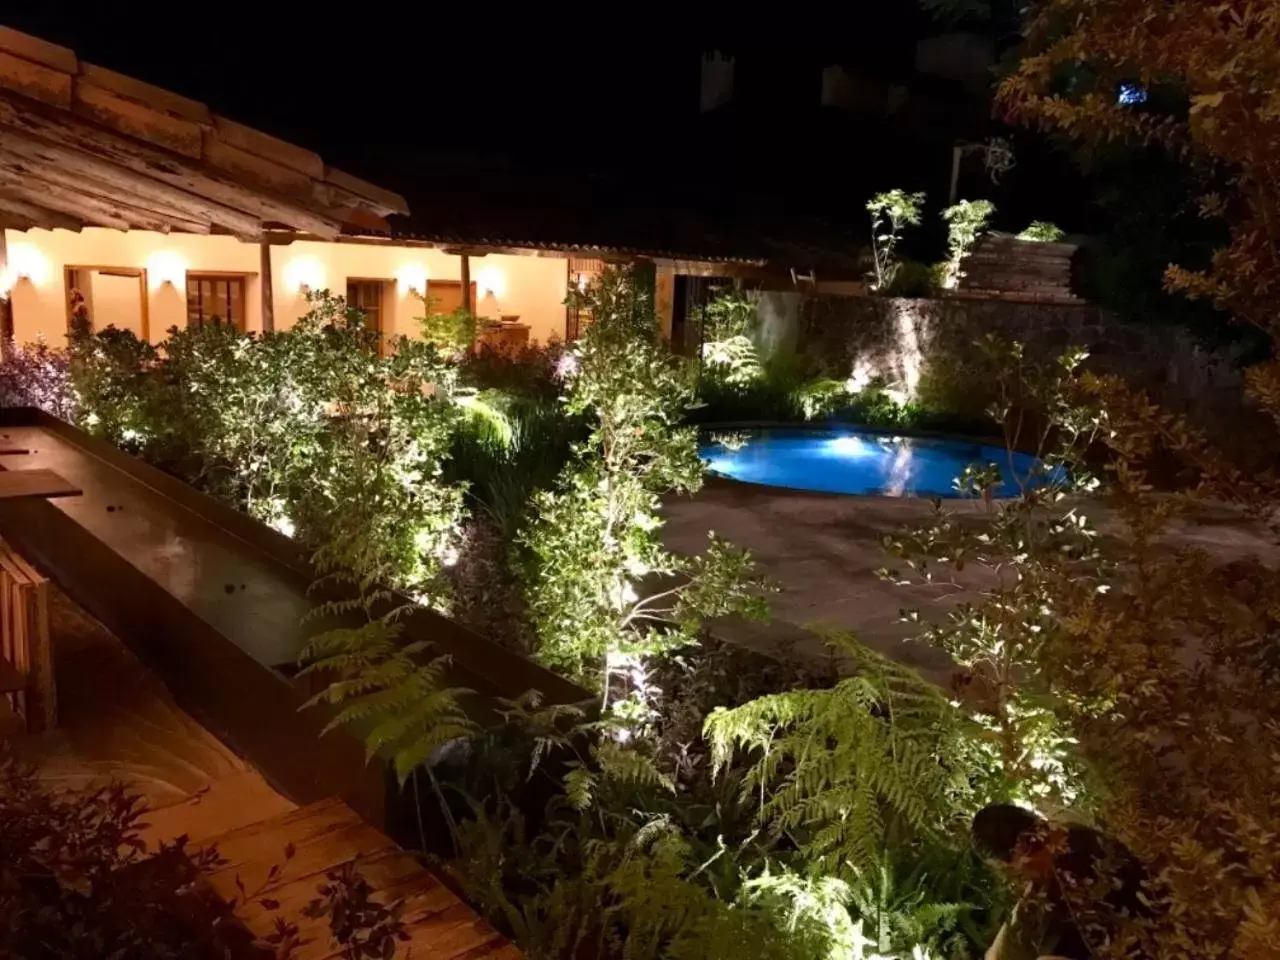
[{"x": 26, "y": 654}]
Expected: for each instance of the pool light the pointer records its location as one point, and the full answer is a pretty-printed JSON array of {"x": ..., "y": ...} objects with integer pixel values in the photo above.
[{"x": 847, "y": 446}]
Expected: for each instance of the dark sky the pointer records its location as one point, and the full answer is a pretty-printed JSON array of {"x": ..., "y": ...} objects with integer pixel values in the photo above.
[{"x": 372, "y": 84}]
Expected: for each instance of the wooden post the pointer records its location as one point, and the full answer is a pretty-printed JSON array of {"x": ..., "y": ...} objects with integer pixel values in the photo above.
[
  {"x": 6, "y": 300},
  {"x": 467, "y": 305},
  {"x": 268, "y": 295}
]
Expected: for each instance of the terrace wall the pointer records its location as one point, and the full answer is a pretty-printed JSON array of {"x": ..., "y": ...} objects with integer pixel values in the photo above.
[{"x": 905, "y": 340}]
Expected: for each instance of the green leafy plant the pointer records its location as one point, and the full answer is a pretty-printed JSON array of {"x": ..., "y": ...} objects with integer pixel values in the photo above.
[
  {"x": 966, "y": 222},
  {"x": 729, "y": 354},
  {"x": 1041, "y": 231},
  {"x": 374, "y": 492},
  {"x": 734, "y": 362},
  {"x": 875, "y": 780},
  {"x": 77, "y": 880},
  {"x": 728, "y": 314},
  {"x": 604, "y": 595},
  {"x": 891, "y": 212},
  {"x": 450, "y": 333},
  {"x": 1001, "y": 639},
  {"x": 911, "y": 279},
  {"x": 108, "y": 372}
]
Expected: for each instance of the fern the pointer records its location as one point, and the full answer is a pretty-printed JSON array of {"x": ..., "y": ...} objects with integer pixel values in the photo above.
[
  {"x": 393, "y": 698},
  {"x": 834, "y": 768}
]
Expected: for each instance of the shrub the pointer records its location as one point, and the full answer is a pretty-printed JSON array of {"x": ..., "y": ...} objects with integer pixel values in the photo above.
[
  {"x": 966, "y": 221},
  {"x": 1041, "y": 231},
  {"x": 891, "y": 212},
  {"x": 912, "y": 279},
  {"x": 451, "y": 334},
  {"x": 36, "y": 375},
  {"x": 532, "y": 372},
  {"x": 110, "y": 387}
]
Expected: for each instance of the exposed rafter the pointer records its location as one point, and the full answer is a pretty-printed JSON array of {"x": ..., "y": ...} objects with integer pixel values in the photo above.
[
  {"x": 19, "y": 148},
  {"x": 81, "y": 145},
  {"x": 22, "y": 215}
]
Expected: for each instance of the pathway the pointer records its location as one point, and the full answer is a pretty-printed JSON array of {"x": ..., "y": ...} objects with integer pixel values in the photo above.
[
  {"x": 118, "y": 722},
  {"x": 822, "y": 551}
]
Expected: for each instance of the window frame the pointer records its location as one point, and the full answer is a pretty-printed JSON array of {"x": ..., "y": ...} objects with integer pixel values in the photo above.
[
  {"x": 216, "y": 276},
  {"x": 385, "y": 287}
]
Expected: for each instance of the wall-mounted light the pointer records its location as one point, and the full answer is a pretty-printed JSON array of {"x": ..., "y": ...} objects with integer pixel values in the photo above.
[
  {"x": 27, "y": 263},
  {"x": 165, "y": 266},
  {"x": 412, "y": 278},
  {"x": 490, "y": 281},
  {"x": 304, "y": 274}
]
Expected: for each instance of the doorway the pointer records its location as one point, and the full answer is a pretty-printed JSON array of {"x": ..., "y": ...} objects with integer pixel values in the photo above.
[{"x": 101, "y": 297}]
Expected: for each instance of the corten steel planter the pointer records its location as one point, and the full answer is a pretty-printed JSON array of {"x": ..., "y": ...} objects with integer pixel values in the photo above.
[{"x": 213, "y": 601}]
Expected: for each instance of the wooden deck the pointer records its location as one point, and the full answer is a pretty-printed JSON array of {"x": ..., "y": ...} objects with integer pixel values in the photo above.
[
  {"x": 118, "y": 722},
  {"x": 325, "y": 836}
]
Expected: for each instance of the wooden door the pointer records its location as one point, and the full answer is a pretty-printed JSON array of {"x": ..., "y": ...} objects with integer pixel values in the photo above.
[
  {"x": 367, "y": 297},
  {"x": 445, "y": 296}
]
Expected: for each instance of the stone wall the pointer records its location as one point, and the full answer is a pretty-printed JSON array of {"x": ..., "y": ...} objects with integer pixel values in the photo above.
[{"x": 900, "y": 340}]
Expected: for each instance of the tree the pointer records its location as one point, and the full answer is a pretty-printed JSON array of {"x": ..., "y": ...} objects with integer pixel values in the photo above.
[
  {"x": 1211, "y": 68},
  {"x": 604, "y": 594}
]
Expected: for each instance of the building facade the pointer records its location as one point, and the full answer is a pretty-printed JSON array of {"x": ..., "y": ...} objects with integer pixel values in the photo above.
[{"x": 149, "y": 282}]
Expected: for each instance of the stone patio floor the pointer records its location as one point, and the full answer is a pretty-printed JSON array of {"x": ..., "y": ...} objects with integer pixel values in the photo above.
[{"x": 822, "y": 552}]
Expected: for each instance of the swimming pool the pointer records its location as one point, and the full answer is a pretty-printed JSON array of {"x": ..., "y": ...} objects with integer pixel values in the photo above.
[{"x": 851, "y": 461}]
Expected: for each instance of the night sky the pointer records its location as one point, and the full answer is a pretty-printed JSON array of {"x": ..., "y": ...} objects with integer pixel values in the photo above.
[{"x": 372, "y": 86}]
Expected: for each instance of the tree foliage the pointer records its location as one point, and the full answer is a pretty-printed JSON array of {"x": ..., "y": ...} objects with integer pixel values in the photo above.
[
  {"x": 966, "y": 222},
  {"x": 310, "y": 430},
  {"x": 1213, "y": 67},
  {"x": 891, "y": 212},
  {"x": 604, "y": 594}
]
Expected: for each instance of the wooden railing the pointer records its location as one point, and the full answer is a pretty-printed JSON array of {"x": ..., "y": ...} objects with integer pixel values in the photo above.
[{"x": 26, "y": 655}]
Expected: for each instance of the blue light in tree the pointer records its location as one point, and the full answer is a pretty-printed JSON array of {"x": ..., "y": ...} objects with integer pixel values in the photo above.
[{"x": 1131, "y": 94}]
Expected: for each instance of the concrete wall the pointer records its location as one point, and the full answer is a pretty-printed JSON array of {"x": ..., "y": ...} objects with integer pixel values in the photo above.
[{"x": 529, "y": 287}]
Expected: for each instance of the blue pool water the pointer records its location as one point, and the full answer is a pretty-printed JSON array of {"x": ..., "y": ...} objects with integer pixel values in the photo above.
[{"x": 849, "y": 461}]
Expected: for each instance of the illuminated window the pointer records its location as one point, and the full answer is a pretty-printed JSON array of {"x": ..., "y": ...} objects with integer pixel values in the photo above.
[{"x": 215, "y": 299}]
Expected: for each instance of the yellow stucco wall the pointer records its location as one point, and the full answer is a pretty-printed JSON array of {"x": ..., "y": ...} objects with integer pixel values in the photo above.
[{"x": 529, "y": 287}]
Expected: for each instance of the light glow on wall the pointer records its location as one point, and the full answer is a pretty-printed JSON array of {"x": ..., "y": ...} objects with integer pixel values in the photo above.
[
  {"x": 303, "y": 274},
  {"x": 412, "y": 279},
  {"x": 26, "y": 263},
  {"x": 490, "y": 280},
  {"x": 165, "y": 266}
]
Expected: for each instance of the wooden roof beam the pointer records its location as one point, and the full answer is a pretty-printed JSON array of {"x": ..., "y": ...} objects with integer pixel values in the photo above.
[
  {"x": 35, "y": 175},
  {"x": 32, "y": 213},
  {"x": 92, "y": 210},
  {"x": 89, "y": 218},
  {"x": 110, "y": 175},
  {"x": 83, "y": 136}
]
